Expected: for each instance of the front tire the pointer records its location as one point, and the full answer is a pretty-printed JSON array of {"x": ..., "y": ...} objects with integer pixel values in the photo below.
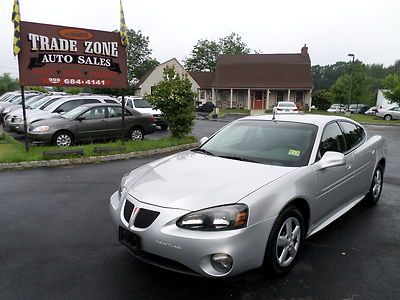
[
  {"x": 63, "y": 139},
  {"x": 285, "y": 241},
  {"x": 375, "y": 190}
]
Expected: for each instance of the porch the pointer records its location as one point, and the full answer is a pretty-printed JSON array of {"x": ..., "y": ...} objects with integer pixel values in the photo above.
[{"x": 260, "y": 99}]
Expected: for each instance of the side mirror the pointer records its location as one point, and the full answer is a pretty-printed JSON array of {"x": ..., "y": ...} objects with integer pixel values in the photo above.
[
  {"x": 331, "y": 159},
  {"x": 203, "y": 140},
  {"x": 80, "y": 118}
]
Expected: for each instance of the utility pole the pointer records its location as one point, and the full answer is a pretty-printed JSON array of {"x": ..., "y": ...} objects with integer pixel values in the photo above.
[{"x": 351, "y": 79}]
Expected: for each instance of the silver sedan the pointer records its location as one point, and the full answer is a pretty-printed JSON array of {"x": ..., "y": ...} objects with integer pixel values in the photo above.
[{"x": 248, "y": 196}]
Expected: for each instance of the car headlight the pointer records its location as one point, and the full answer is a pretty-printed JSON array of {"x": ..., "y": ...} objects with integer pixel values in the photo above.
[
  {"x": 41, "y": 129},
  {"x": 18, "y": 121},
  {"x": 227, "y": 217}
]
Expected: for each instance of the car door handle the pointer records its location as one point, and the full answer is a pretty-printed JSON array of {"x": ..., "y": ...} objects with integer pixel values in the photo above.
[
  {"x": 349, "y": 166},
  {"x": 373, "y": 151}
]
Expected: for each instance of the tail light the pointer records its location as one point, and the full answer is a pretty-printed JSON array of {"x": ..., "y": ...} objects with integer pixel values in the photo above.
[{"x": 151, "y": 119}]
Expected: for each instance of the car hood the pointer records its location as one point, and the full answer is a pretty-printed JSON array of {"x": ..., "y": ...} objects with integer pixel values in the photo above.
[
  {"x": 149, "y": 111},
  {"x": 193, "y": 181},
  {"x": 55, "y": 121}
]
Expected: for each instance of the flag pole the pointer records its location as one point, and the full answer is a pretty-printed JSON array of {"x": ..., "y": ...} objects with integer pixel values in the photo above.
[{"x": 25, "y": 123}]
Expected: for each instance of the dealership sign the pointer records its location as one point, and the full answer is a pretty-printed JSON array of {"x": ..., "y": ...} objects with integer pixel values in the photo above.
[{"x": 62, "y": 56}]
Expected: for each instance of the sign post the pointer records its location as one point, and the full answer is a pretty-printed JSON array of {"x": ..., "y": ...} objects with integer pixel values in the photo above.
[{"x": 24, "y": 115}]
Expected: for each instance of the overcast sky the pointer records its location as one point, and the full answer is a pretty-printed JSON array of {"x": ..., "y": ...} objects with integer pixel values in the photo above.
[{"x": 331, "y": 29}]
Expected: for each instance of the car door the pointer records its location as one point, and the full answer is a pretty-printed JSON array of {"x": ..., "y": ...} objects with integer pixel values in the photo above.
[
  {"x": 396, "y": 113},
  {"x": 332, "y": 184},
  {"x": 93, "y": 124},
  {"x": 364, "y": 153},
  {"x": 115, "y": 120}
]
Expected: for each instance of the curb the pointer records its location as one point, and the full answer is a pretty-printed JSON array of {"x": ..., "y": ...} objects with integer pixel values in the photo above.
[{"x": 92, "y": 159}]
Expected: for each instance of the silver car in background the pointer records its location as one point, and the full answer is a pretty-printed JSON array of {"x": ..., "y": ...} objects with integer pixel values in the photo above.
[
  {"x": 249, "y": 195},
  {"x": 389, "y": 114}
]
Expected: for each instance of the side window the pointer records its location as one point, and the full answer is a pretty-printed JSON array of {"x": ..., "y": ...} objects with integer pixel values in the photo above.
[
  {"x": 354, "y": 134},
  {"x": 332, "y": 140},
  {"x": 129, "y": 103},
  {"x": 88, "y": 101},
  {"x": 116, "y": 112},
  {"x": 110, "y": 101},
  {"x": 95, "y": 113},
  {"x": 69, "y": 105}
]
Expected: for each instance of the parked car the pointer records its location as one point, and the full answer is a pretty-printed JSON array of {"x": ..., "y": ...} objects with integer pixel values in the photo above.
[
  {"x": 207, "y": 107},
  {"x": 60, "y": 106},
  {"x": 28, "y": 102},
  {"x": 389, "y": 114},
  {"x": 358, "y": 108},
  {"x": 371, "y": 111},
  {"x": 38, "y": 106},
  {"x": 143, "y": 106},
  {"x": 270, "y": 184},
  {"x": 336, "y": 108},
  {"x": 14, "y": 100},
  {"x": 286, "y": 107},
  {"x": 91, "y": 122}
]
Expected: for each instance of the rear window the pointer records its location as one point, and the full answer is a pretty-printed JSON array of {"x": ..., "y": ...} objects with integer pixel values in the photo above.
[{"x": 286, "y": 104}]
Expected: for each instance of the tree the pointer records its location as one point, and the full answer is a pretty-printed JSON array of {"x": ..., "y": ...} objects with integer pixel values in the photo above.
[
  {"x": 174, "y": 97},
  {"x": 392, "y": 83},
  {"x": 8, "y": 84},
  {"x": 139, "y": 56},
  {"x": 322, "y": 99},
  {"x": 205, "y": 53}
]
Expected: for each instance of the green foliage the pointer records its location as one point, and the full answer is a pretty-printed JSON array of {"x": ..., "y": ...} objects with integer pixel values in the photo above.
[
  {"x": 325, "y": 76},
  {"x": 206, "y": 52},
  {"x": 73, "y": 90},
  {"x": 7, "y": 84},
  {"x": 392, "y": 83},
  {"x": 36, "y": 88},
  {"x": 174, "y": 97},
  {"x": 322, "y": 99},
  {"x": 139, "y": 56},
  {"x": 362, "y": 91}
]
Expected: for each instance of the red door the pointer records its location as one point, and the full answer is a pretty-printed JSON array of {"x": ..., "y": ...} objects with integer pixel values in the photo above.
[{"x": 258, "y": 101}]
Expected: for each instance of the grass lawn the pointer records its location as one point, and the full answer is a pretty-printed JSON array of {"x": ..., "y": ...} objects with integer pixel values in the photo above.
[
  {"x": 359, "y": 118},
  {"x": 13, "y": 151},
  {"x": 238, "y": 111}
]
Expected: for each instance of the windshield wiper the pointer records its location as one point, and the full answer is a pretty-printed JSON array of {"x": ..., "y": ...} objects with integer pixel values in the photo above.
[
  {"x": 241, "y": 158},
  {"x": 203, "y": 151}
]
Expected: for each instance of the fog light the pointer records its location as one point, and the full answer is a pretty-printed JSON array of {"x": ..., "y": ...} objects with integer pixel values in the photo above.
[{"x": 221, "y": 262}]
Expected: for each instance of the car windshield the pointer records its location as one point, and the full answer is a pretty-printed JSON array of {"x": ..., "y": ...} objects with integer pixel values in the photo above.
[
  {"x": 73, "y": 113},
  {"x": 286, "y": 104},
  {"x": 34, "y": 99},
  {"x": 267, "y": 142},
  {"x": 141, "y": 103}
]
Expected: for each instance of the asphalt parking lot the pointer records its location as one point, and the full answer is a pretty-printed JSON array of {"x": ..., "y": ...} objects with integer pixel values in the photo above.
[{"x": 57, "y": 242}]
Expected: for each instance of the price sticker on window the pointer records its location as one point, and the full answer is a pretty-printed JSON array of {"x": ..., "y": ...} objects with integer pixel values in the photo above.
[{"x": 294, "y": 152}]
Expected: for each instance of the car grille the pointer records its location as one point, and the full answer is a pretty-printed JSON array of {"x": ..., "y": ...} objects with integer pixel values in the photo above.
[
  {"x": 145, "y": 218},
  {"x": 128, "y": 209}
]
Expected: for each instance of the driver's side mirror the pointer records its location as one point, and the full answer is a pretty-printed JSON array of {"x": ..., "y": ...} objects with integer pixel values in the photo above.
[
  {"x": 203, "y": 140},
  {"x": 331, "y": 159},
  {"x": 59, "y": 111},
  {"x": 80, "y": 118}
]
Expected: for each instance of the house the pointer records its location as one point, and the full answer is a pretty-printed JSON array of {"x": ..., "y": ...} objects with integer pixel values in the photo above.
[
  {"x": 253, "y": 81},
  {"x": 260, "y": 81},
  {"x": 382, "y": 102},
  {"x": 155, "y": 75}
]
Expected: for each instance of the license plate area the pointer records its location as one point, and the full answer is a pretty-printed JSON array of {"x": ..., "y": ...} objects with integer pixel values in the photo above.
[{"x": 130, "y": 240}]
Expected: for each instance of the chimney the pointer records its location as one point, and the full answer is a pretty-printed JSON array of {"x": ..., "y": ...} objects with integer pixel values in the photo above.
[{"x": 304, "y": 50}]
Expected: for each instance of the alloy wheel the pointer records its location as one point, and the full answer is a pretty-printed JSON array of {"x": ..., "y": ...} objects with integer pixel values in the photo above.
[
  {"x": 63, "y": 140},
  {"x": 288, "y": 241},
  {"x": 377, "y": 185},
  {"x": 137, "y": 135}
]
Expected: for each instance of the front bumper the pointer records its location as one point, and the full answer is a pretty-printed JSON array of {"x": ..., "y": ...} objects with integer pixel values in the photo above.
[
  {"x": 40, "y": 138},
  {"x": 163, "y": 243}
]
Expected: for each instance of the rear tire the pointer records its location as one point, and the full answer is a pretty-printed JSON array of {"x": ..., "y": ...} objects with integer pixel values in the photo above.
[
  {"x": 387, "y": 118},
  {"x": 164, "y": 127},
  {"x": 136, "y": 134},
  {"x": 63, "y": 139},
  {"x": 285, "y": 241},
  {"x": 375, "y": 190}
]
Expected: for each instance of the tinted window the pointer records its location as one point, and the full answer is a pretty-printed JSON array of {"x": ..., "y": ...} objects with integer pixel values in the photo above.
[
  {"x": 141, "y": 103},
  {"x": 88, "y": 101},
  {"x": 353, "y": 133},
  {"x": 110, "y": 101},
  {"x": 95, "y": 113},
  {"x": 67, "y": 106},
  {"x": 332, "y": 140},
  {"x": 267, "y": 142}
]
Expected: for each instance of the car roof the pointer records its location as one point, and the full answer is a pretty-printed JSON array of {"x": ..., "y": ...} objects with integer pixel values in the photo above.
[
  {"x": 319, "y": 120},
  {"x": 100, "y": 104}
]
